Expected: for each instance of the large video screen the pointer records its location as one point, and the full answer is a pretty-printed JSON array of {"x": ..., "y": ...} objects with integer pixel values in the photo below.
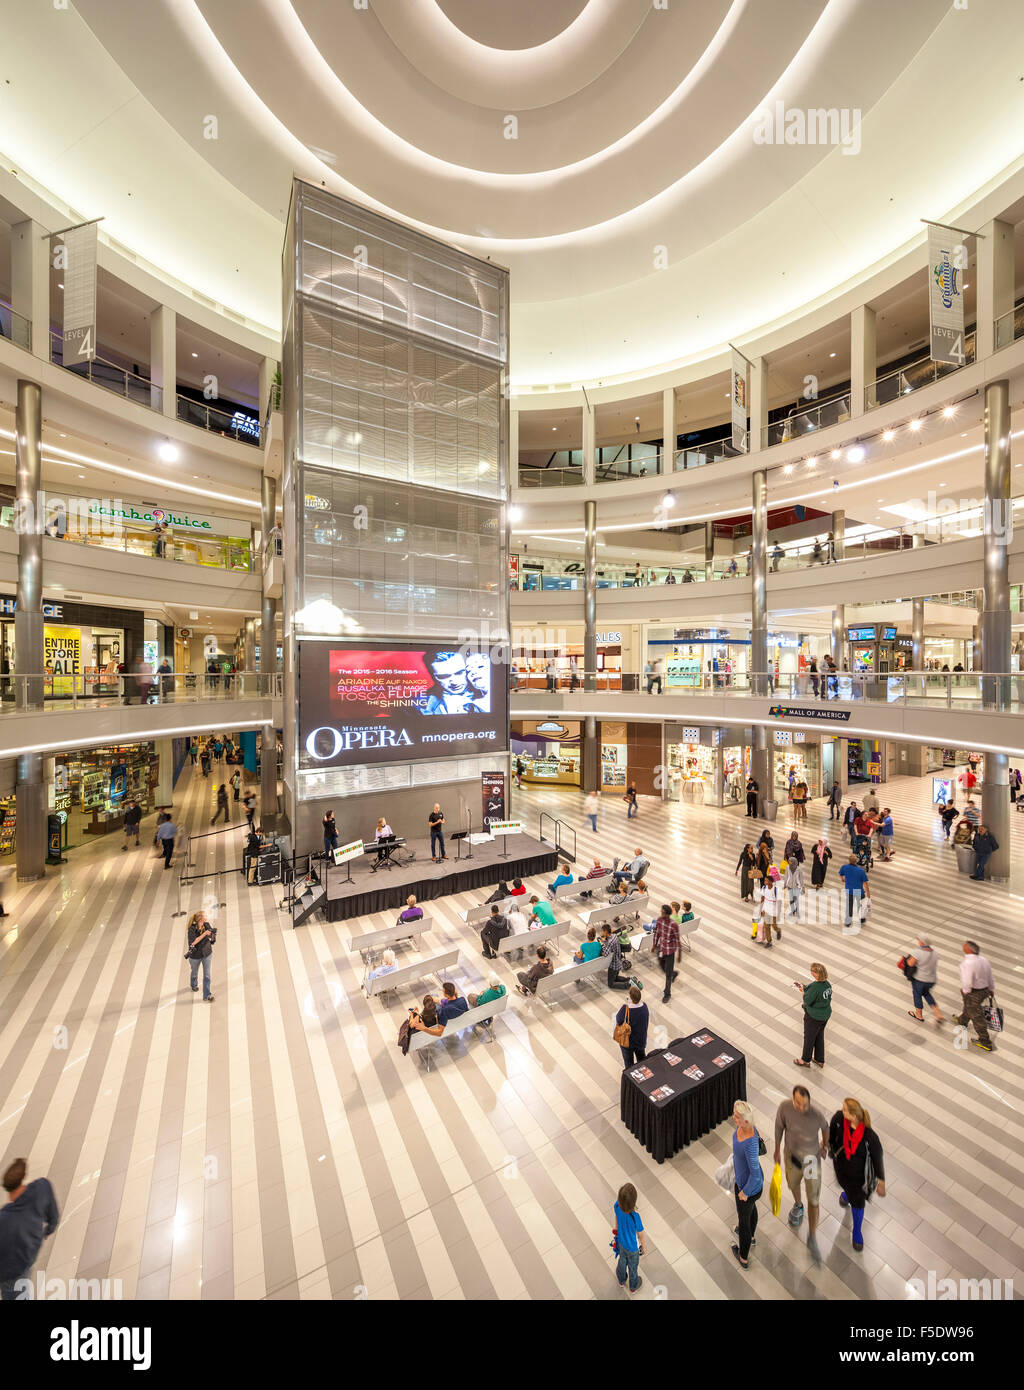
[{"x": 387, "y": 702}]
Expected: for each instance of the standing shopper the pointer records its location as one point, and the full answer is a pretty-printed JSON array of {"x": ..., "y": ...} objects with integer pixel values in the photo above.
[
  {"x": 132, "y": 819},
  {"x": 201, "y": 936},
  {"x": 236, "y": 783},
  {"x": 794, "y": 885},
  {"x": 29, "y": 1215},
  {"x": 638, "y": 1016},
  {"x": 745, "y": 868},
  {"x": 665, "y": 944},
  {"x": 330, "y": 830},
  {"x": 770, "y": 906},
  {"x": 976, "y": 984},
  {"x": 835, "y": 800},
  {"x": 985, "y": 845},
  {"x": 436, "y": 823},
  {"x": 753, "y": 787},
  {"x": 630, "y": 800},
  {"x": 857, "y": 1158},
  {"x": 165, "y": 833},
  {"x": 748, "y": 1182},
  {"x": 921, "y": 967},
  {"x": 885, "y": 833},
  {"x": 817, "y": 997},
  {"x": 805, "y": 1131},
  {"x": 820, "y": 856},
  {"x": 628, "y": 1237}
]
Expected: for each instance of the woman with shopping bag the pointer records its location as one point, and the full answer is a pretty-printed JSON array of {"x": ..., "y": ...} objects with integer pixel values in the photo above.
[{"x": 857, "y": 1158}]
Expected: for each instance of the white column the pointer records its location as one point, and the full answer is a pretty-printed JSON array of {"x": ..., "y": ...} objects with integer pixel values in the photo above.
[
  {"x": 513, "y": 446},
  {"x": 589, "y": 445},
  {"x": 30, "y": 282},
  {"x": 165, "y": 774},
  {"x": 163, "y": 358},
  {"x": 668, "y": 430},
  {"x": 995, "y": 286},
  {"x": 758, "y": 403},
  {"x": 267, "y": 372},
  {"x": 863, "y": 358}
]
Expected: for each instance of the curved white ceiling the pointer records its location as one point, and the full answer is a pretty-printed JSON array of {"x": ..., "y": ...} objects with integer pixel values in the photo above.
[{"x": 603, "y": 149}]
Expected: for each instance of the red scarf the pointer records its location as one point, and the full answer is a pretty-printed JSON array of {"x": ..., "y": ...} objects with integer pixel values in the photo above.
[{"x": 851, "y": 1138}]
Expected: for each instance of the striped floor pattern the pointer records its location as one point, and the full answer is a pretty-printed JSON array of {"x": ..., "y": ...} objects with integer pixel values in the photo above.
[{"x": 276, "y": 1144}]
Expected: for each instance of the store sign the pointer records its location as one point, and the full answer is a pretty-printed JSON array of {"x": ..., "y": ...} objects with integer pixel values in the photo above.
[
  {"x": 609, "y": 639},
  {"x": 838, "y": 716},
  {"x": 79, "y": 274},
  {"x": 691, "y": 734},
  {"x": 62, "y": 802},
  {"x": 888, "y": 634},
  {"x": 317, "y": 504},
  {"x": 863, "y": 634},
  {"x": 243, "y": 423},
  {"x": 740, "y": 396},
  {"x": 550, "y": 726},
  {"x": 187, "y": 521},
  {"x": 50, "y": 610}
]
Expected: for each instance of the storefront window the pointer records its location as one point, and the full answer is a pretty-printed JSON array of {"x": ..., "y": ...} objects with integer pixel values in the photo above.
[
  {"x": 793, "y": 763},
  {"x": 548, "y": 751},
  {"x": 614, "y": 755}
]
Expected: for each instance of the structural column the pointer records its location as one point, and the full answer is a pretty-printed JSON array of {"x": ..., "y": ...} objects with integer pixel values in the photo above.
[
  {"x": 268, "y": 651},
  {"x": 591, "y": 761},
  {"x": 995, "y": 619},
  {"x": 709, "y": 550},
  {"x": 995, "y": 286},
  {"x": 917, "y": 635},
  {"x": 589, "y": 445},
  {"x": 28, "y": 626},
  {"x": 839, "y": 533},
  {"x": 758, "y": 584},
  {"x": 163, "y": 360},
  {"x": 30, "y": 284},
  {"x": 839, "y": 635},
  {"x": 668, "y": 430},
  {"x": 863, "y": 360}
]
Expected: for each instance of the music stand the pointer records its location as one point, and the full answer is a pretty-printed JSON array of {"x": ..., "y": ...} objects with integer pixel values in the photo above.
[{"x": 459, "y": 836}]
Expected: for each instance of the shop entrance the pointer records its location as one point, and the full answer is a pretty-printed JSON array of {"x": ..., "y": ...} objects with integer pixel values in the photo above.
[{"x": 863, "y": 760}]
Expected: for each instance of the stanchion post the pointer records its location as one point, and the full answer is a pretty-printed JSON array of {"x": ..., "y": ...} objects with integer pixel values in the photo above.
[{"x": 180, "y": 912}]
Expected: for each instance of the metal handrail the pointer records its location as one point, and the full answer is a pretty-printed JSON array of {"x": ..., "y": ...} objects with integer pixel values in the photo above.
[
  {"x": 100, "y": 372},
  {"x": 25, "y": 693},
  {"x": 202, "y": 413},
  {"x": 176, "y": 548},
  {"x": 14, "y": 326}
]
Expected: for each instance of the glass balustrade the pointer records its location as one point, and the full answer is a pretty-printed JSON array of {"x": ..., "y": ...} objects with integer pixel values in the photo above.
[
  {"x": 95, "y": 689},
  {"x": 213, "y": 552},
  {"x": 15, "y": 327},
  {"x": 807, "y": 420}
]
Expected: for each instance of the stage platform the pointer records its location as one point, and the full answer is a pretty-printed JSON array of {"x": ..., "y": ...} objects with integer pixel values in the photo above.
[{"x": 388, "y": 888}]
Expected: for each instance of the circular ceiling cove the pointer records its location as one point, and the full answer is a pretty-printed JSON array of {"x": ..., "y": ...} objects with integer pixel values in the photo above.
[{"x": 524, "y": 24}]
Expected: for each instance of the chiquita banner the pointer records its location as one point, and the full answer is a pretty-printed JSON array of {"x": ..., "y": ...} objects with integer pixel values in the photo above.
[
  {"x": 947, "y": 259},
  {"x": 740, "y": 400}
]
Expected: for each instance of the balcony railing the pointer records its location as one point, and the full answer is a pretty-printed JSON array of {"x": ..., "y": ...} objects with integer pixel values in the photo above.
[
  {"x": 906, "y": 380},
  {"x": 966, "y": 690},
  {"x": 95, "y": 689},
  {"x": 1009, "y": 327},
  {"x": 232, "y": 425},
  {"x": 809, "y": 419},
  {"x": 715, "y": 452},
  {"x": 15, "y": 327},
  {"x": 110, "y": 376},
  {"x": 220, "y": 552}
]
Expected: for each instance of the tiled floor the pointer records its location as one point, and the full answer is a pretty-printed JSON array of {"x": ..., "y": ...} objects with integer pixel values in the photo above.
[{"x": 276, "y": 1144}]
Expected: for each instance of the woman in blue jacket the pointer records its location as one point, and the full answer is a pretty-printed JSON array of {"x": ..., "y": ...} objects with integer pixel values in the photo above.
[{"x": 749, "y": 1180}]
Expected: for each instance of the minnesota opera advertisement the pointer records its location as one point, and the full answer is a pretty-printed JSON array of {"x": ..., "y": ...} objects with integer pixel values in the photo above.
[{"x": 388, "y": 702}]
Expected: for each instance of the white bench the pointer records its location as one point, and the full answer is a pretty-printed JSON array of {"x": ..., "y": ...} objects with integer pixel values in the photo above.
[
  {"x": 596, "y": 916},
  {"x": 521, "y": 940},
  {"x": 372, "y": 942},
  {"x": 406, "y": 974},
  {"x": 571, "y": 890},
  {"x": 686, "y": 930},
  {"x": 478, "y": 915},
  {"x": 569, "y": 973},
  {"x": 472, "y": 1018}
]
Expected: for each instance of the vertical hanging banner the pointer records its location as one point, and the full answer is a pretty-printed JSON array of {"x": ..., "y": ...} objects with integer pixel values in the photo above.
[
  {"x": 492, "y": 787},
  {"x": 79, "y": 251},
  {"x": 947, "y": 257},
  {"x": 740, "y": 400}
]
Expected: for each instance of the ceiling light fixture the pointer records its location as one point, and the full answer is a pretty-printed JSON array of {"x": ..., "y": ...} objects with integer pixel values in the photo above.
[
  {"x": 837, "y": 453},
  {"x": 915, "y": 425},
  {"x": 831, "y": 354},
  {"x": 168, "y": 452},
  {"x": 515, "y": 514},
  {"x": 889, "y": 436},
  {"x": 669, "y": 500},
  {"x": 948, "y": 412},
  {"x": 856, "y": 454}
]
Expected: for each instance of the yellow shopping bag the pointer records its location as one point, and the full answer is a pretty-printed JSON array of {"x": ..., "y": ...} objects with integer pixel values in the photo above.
[
  {"x": 753, "y": 929},
  {"x": 775, "y": 1190}
]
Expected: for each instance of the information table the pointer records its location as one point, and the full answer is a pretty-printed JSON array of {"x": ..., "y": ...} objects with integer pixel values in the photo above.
[{"x": 668, "y": 1103}]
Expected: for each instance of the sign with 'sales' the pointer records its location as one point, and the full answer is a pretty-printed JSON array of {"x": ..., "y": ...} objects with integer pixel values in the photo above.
[
  {"x": 79, "y": 294},
  {"x": 947, "y": 259}
]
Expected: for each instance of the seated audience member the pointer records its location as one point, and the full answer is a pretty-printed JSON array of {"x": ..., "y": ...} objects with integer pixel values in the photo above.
[
  {"x": 635, "y": 890},
  {"x": 634, "y": 870},
  {"x": 411, "y": 912},
  {"x": 495, "y": 929},
  {"x": 589, "y": 949},
  {"x": 528, "y": 979},
  {"x": 500, "y": 893},
  {"x": 495, "y": 990},
  {"x": 424, "y": 1020},
  {"x": 598, "y": 871},
  {"x": 543, "y": 913},
  {"x": 518, "y": 922},
  {"x": 682, "y": 912},
  {"x": 613, "y": 951},
  {"x": 451, "y": 1004},
  {"x": 387, "y": 964},
  {"x": 564, "y": 876},
  {"x": 518, "y": 888}
]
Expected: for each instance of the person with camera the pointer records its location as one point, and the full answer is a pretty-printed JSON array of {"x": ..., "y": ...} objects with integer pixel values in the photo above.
[{"x": 201, "y": 936}]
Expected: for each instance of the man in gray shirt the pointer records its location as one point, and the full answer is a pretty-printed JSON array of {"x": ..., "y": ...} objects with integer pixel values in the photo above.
[{"x": 806, "y": 1142}]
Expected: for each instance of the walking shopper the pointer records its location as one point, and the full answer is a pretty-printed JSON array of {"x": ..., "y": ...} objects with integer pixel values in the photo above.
[
  {"x": 835, "y": 800},
  {"x": 628, "y": 1237},
  {"x": 590, "y": 806},
  {"x": 204, "y": 760},
  {"x": 637, "y": 1015},
  {"x": 921, "y": 967},
  {"x": 885, "y": 833},
  {"x": 985, "y": 844},
  {"x": 793, "y": 883},
  {"x": 817, "y": 999},
  {"x": 857, "y": 1159},
  {"x": 630, "y": 800},
  {"x": 820, "y": 856},
  {"x": 948, "y": 815},
  {"x": 976, "y": 984},
  {"x": 855, "y": 881},
  {"x": 201, "y": 936},
  {"x": 132, "y": 819},
  {"x": 29, "y": 1215},
  {"x": 850, "y": 818},
  {"x": 753, "y": 787},
  {"x": 769, "y": 914},
  {"x": 165, "y": 833},
  {"x": 748, "y": 1183},
  {"x": 803, "y": 1131},
  {"x": 222, "y": 805},
  {"x": 745, "y": 868},
  {"x": 665, "y": 944},
  {"x": 236, "y": 783},
  {"x": 193, "y": 751}
]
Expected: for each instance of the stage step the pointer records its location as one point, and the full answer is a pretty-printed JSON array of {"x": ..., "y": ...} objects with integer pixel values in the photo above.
[{"x": 305, "y": 906}]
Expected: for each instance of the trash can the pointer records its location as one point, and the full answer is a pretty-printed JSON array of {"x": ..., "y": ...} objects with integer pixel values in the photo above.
[
  {"x": 965, "y": 859},
  {"x": 771, "y": 810}
]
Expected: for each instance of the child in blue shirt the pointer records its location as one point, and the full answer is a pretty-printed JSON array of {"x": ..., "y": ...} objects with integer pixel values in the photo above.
[{"x": 629, "y": 1237}]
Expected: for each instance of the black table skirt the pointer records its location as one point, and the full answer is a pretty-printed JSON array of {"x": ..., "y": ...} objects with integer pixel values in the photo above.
[
  {"x": 664, "y": 1129},
  {"x": 387, "y": 896}
]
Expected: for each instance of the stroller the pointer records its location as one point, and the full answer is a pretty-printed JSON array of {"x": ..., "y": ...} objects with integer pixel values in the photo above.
[{"x": 861, "y": 847}]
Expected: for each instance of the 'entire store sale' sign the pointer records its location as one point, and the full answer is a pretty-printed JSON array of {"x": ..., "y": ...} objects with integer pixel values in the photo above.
[{"x": 62, "y": 657}]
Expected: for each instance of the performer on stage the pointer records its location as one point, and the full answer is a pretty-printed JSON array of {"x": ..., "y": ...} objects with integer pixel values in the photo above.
[
  {"x": 436, "y": 821},
  {"x": 383, "y": 832}
]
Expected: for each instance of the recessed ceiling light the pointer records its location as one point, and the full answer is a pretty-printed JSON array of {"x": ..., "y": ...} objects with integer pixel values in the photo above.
[
  {"x": 831, "y": 354},
  {"x": 855, "y": 455},
  {"x": 915, "y": 424},
  {"x": 515, "y": 514},
  {"x": 669, "y": 500},
  {"x": 554, "y": 428},
  {"x": 788, "y": 468},
  {"x": 889, "y": 436},
  {"x": 195, "y": 354},
  {"x": 60, "y": 285},
  {"x": 836, "y": 453},
  {"x": 811, "y": 461},
  {"x": 949, "y": 411},
  {"x": 168, "y": 452},
  {"x": 942, "y": 485}
]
